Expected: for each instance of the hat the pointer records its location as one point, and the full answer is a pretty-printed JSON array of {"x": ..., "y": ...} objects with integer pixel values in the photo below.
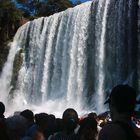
[{"x": 122, "y": 94}]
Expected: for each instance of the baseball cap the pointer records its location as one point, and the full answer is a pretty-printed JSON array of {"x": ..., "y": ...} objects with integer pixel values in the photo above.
[{"x": 122, "y": 94}]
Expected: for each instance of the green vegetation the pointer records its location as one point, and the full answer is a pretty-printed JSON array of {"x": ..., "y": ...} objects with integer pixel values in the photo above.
[
  {"x": 45, "y": 7},
  {"x": 10, "y": 18},
  {"x": 15, "y": 13},
  {"x": 52, "y": 6}
]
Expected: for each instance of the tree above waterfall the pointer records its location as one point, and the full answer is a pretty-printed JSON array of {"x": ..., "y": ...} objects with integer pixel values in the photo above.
[
  {"x": 10, "y": 17},
  {"x": 14, "y": 13},
  {"x": 53, "y": 6},
  {"x": 43, "y": 8}
]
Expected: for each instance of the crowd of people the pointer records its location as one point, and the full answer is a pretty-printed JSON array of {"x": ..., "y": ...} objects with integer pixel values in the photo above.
[{"x": 119, "y": 123}]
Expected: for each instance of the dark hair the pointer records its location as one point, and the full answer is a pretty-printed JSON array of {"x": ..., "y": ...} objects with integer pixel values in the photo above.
[
  {"x": 2, "y": 108},
  {"x": 41, "y": 119},
  {"x": 88, "y": 128},
  {"x": 28, "y": 114},
  {"x": 89, "y": 122},
  {"x": 123, "y": 98},
  {"x": 70, "y": 113},
  {"x": 70, "y": 120}
]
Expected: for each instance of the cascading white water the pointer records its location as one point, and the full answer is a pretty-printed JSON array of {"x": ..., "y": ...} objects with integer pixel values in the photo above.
[
  {"x": 5, "y": 78},
  {"x": 101, "y": 52},
  {"x": 54, "y": 63},
  {"x": 7, "y": 74},
  {"x": 70, "y": 58}
]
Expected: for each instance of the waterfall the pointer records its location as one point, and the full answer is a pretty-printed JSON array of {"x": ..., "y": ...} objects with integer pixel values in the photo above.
[
  {"x": 101, "y": 52},
  {"x": 7, "y": 74},
  {"x": 70, "y": 59}
]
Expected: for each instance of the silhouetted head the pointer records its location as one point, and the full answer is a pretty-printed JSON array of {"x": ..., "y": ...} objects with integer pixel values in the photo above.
[
  {"x": 41, "y": 120},
  {"x": 28, "y": 114},
  {"x": 70, "y": 119},
  {"x": 123, "y": 97},
  {"x": 92, "y": 115},
  {"x": 88, "y": 129},
  {"x": 2, "y": 108}
]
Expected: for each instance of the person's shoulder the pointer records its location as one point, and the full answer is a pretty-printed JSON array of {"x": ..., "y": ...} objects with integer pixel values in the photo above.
[
  {"x": 112, "y": 127},
  {"x": 112, "y": 131},
  {"x": 55, "y": 136},
  {"x": 137, "y": 131}
]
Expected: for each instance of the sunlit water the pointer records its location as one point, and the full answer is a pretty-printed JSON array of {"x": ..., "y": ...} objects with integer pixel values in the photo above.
[{"x": 72, "y": 59}]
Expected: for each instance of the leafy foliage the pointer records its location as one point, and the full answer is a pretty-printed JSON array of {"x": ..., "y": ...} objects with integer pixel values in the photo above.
[
  {"x": 9, "y": 18},
  {"x": 53, "y": 6},
  {"x": 44, "y": 7},
  {"x": 28, "y": 7},
  {"x": 9, "y": 22},
  {"x": 14, "y": 13}
]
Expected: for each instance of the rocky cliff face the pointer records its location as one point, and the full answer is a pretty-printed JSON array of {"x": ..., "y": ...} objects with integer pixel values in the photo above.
[{"x": 6, "y": 38}]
